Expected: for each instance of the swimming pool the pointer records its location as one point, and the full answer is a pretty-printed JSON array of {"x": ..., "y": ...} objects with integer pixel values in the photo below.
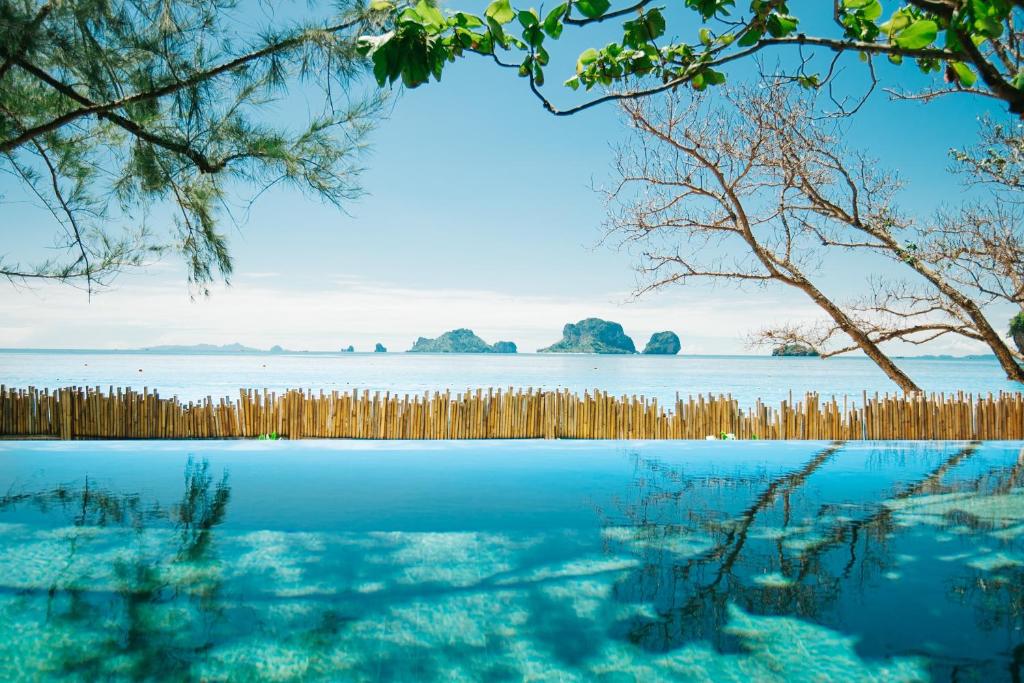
[{"x": 512, "y": 560}]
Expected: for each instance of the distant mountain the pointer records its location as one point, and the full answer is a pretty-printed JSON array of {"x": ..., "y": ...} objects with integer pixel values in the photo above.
[
  {"x": 213, "y": 348},
  {"x": 202, "y": 348},
  {"x": 592, "y": 335},
  {"x": 461, "y": 340}
]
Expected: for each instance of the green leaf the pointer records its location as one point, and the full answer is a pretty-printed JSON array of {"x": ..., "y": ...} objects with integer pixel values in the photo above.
[
  {"x": 809, "y": 82},
  {"x": 587, "y": 57},
  {"x": 380, "y": 67},
  {"x": 899, "y": 20},
  {"x": 592, "y": 9},
  {"x": 381, "y": 5},
  {"x": 750, "y": 38},
  {"x": 705, "y": 36},
  {"x": 553, "y": 21},
  {"x": 988, "y": 16},
  {"x": 865, "y": 9},
  {"x": 989, "y": 27},
  {"x": 468, "y": 20},
  {"x": 780, "y": 25},
  {"x": 497, "y": 31},
  {"x": 872, "y": 10},
  {"x": 643, "y": 29},
  {"x": 712, "y": 77},
  {"x": 431, "y": 15},
  {"x": 654, "y": 21},
  {"x": 528, "y": 18},
  {"x": 920, "y": 34},
  {"x": 533, "y": 35},
  {"x": 964, "y": 74},
  {"x": 501, "y": 11}
]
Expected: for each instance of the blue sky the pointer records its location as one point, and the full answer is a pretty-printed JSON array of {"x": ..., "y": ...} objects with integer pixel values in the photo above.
[{"x": 479, "y": 213}]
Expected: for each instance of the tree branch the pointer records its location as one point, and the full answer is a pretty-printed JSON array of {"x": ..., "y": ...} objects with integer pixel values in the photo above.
[
  {"x": 99, "y": 109},
  {"x": 26, "y": 39},
  {"x": 200, "y": 160},
  {"x": 839, "y": 46}
]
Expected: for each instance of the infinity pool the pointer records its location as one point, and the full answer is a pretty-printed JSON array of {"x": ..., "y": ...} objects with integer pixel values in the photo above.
[{"x": 512, "y": 561}]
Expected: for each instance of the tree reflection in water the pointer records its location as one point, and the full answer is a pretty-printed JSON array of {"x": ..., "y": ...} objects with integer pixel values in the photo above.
[
  {"x": 696, "y": 562},
  {"x": 717, "y": 574},
  {"x": 157, "y": 603}
]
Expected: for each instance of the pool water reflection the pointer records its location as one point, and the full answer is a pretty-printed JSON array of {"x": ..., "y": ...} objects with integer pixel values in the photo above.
[{"x": 511, "y": 561}]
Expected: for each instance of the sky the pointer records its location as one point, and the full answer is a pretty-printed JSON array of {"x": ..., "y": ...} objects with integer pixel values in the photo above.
[{"x": 480, "y": 212}]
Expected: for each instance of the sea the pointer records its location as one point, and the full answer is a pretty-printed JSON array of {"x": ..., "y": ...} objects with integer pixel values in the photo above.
[{"x": 193, "y": 376}]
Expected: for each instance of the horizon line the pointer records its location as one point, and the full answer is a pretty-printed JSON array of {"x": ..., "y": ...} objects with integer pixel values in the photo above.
[{"x": 285, "y": 352}]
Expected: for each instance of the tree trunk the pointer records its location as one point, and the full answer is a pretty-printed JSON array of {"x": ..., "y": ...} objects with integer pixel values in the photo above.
[
  {"x": 1010, "y": 365},
  {"x": 863, "y": 341},
  {"x": 1018, "y": 339},
  {"x": 795, "y": 278},
  {"x": 1003, "y": 353}
]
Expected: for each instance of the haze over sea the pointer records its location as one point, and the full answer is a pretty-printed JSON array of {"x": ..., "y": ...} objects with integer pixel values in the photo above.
[{"x": 747, "y": 378}]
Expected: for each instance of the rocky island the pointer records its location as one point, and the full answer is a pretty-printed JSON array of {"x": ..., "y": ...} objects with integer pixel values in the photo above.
[
  {"x": 794, "y": 349},
  {"x": 592, "y": 335},
  {"x": 461, "y": 340},
  {"x": 663, "y": 344},
  {"x": 379, "y": 348}
]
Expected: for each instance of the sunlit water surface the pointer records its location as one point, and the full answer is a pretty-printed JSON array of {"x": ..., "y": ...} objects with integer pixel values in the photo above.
[
  {"x": 747, "y": 378},
  {"x": 511, "y": 561}
]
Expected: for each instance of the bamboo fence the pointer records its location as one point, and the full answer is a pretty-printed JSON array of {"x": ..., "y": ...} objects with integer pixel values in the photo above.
[{"x": 89, "y": 413}]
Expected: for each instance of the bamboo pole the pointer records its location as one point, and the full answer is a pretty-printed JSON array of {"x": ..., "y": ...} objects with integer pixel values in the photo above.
[{"x": 123, "y": 413}]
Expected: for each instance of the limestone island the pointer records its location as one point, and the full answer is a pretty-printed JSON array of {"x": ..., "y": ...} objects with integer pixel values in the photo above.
[
  {"x": 379, "y": 348},
  {"x": 794, "y": 349},
  {"x": 663, "y": 344},
  {"x": 461, "y": 340},
  {"x": 592, "y": 335},
  {"x": 348, "y": 349}
]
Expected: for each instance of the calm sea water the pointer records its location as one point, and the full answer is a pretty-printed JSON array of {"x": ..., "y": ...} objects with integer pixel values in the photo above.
[
  {"x": 511, "y": 561},
  {"x": 745, "y": 377}
]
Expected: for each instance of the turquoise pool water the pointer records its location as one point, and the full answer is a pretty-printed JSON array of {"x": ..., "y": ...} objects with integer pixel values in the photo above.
[{"x": 511, "y": 561}]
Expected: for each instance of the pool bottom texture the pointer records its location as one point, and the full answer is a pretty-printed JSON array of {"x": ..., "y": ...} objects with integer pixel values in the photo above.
[{"x": 472, "y": 561}]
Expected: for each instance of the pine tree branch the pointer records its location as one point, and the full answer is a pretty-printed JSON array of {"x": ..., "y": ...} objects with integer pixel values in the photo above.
[
  {"x": 99, "y": 109},
  {"x": 198, "y": 158},
  {"x": 26, "y": 39}
]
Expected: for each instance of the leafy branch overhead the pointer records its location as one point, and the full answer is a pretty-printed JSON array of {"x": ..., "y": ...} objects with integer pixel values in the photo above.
[
  {"x": 973, "y": 44},
  {"x": 129, "y": 125}
]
